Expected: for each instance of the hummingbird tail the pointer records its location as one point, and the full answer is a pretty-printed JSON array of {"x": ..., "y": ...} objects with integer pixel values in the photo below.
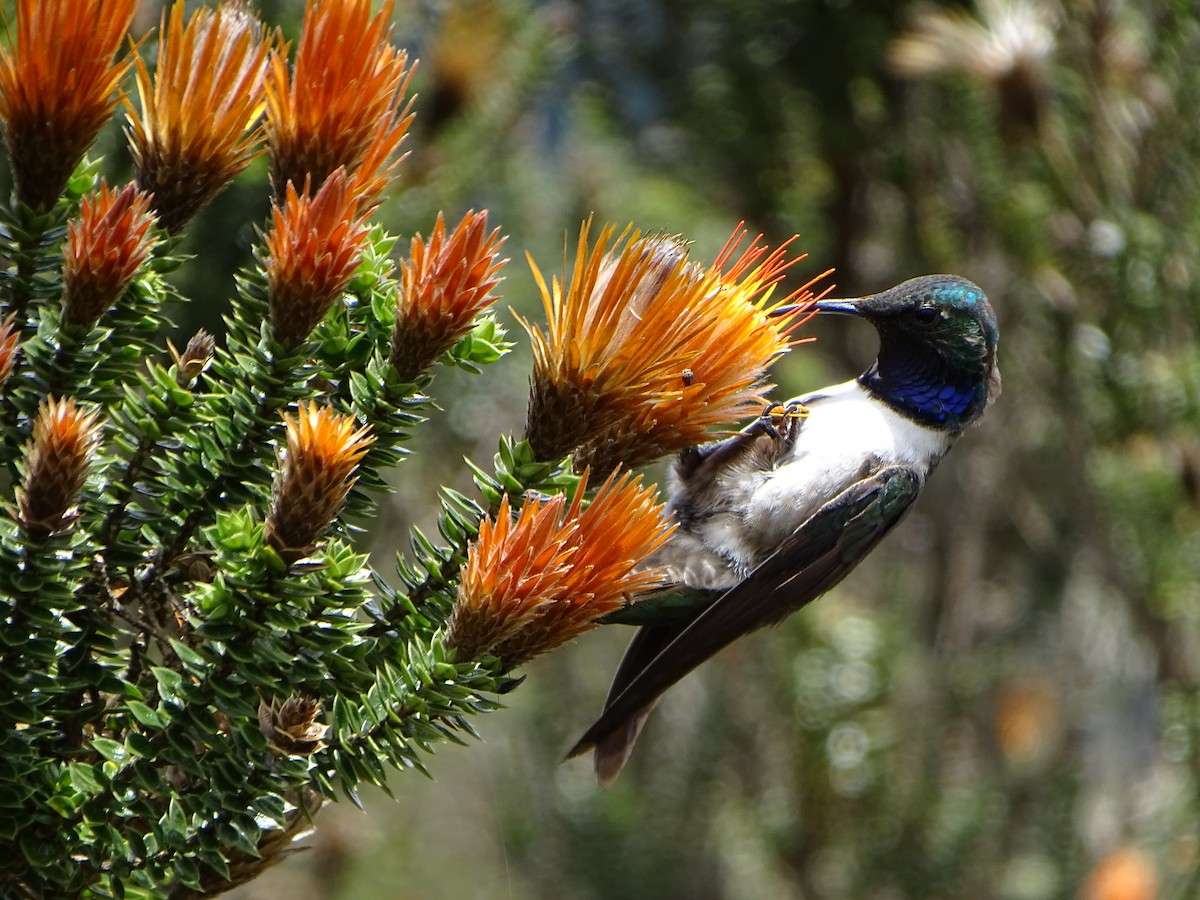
[
  {"x": 613, "y": 735},
  {"x": 612, "y": 751},
  {"x": 612, "y": 747}
]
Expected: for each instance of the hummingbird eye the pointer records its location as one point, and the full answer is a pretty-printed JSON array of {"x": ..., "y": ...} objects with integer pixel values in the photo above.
[{"x": 927, "y": 314}]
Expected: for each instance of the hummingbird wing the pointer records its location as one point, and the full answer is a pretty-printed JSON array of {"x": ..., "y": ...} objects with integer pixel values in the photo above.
[
  {"x": 663, "y": 615},
  {"x": 818, "y": 555}
]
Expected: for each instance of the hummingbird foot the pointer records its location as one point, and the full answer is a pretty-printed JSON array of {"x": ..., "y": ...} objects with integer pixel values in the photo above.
[
  {"x": 779, "y": 422},
  {"x": 782, "y": 421}
]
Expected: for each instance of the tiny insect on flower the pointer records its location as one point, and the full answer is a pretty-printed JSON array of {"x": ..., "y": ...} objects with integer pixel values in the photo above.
[{"x": 646, "y": 352}]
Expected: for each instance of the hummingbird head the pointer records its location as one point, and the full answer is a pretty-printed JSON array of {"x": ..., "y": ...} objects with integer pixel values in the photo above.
[{"x": 937, "y": 348}]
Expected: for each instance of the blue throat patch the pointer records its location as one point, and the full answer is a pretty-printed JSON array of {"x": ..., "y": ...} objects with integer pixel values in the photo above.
[{"x": 923, "y": 386}]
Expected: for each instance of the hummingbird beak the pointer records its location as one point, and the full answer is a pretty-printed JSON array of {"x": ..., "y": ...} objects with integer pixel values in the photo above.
[{"x": 846, "y": 307}]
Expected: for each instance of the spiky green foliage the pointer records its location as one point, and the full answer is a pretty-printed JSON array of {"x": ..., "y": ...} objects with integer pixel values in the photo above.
[
  {"x": 146, "y": 645},
  {"x": 177, "y": 698}
]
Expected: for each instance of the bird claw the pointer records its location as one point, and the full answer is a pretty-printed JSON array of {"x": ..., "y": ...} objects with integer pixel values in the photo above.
[
  {"x": 782, "y": 421},
  {"x": 778, "y": 421}
]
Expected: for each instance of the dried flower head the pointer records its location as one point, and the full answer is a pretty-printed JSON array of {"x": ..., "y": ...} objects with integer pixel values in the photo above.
[
  {"x": 196, "y": 129},
  {"x": 195, "y": 357},
  {"x": 313, "y": 248},
  {"x": 58, "y": 87},
  {"x": 316, "y": 474},
  {"x": 1008, "y": 50},
  {"x": 105, "y": 247},
  {"x": 446, "y": 282},
  {"x": 343, "y": 102},
  {"x": 531, "y": 584},
  {"x": 291, "y": 727},
  {"x": 10, "y": 345},
  {"x": 56, "y": 464},
  {"x": 646, "y": 352}
]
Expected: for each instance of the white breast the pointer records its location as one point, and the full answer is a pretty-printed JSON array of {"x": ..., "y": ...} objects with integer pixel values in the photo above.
[{"x": 848, "y": 436}]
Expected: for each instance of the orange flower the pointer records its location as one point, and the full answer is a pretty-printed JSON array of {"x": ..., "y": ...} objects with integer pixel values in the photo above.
[
  {"x": 323, "y": 450},
  {"x": 341, "y": 104},
  {"x": 57, "y": 88},
  {"x": 56, "y": 464},
  {"x": 1027, "y": 720},
  {"x": 646, "y": 352},
  {"x": 312, "y": 251},
  {"x": 105, "y": 247},
  {"x": 196, "y": 129},
  {"x": 445, "y": 284},
  {"x": 10, "y": 342},
  {"x": 1125, "y": 874},
  {"x": 532, "y": 584}
]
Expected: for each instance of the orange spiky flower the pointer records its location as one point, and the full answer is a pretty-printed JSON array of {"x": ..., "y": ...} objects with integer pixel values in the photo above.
[
  {"x": 105, "y": 247},
  {"x": 646, "y": 352},
  {"x": 531, "y": 584},
  {"x": 341, "y": 105},
  {"x": 56, "y": 464},
  {"x": 726, "y": 378},
  {"x": 58, "y": 87},
  {"x": 10, "y": 344},
  {"x": 323, "y": 450},
  {"x": 312, "y": 248},
  {"x": 196, "y": 129},
  {"x": 446, "y": 282}
]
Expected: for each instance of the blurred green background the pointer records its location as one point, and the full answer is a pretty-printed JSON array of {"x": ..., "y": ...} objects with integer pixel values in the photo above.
[{"x": 1003, "y": 701}]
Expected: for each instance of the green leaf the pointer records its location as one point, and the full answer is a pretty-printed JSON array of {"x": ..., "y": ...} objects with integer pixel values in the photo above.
[
  {"x": 39, "y": 851},
  {"x": 188, "y": 872},
  {"x": 145, "y": 715},
  {"x": 175, "y": 822},
  {"x": 139, "y": 745},
  {"x": 216, "y": 862},
  {"x": 170, "y": 682},
  {"x": 113, "y": 751},
  {"x": 190, "y": 657},
  {"x": 270, "y": 805},
  {"x": 64, "y": 806},
  {"x": 84, "y": 778}
]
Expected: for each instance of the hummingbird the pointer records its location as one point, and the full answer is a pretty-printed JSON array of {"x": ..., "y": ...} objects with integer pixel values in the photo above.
[{"x": 776, "y": 515}]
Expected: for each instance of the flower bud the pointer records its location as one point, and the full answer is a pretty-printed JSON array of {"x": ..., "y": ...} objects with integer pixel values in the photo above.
[
  {"x": 446, "y": 283},
  {"x": 105, "y": 247},
  {"x": 56, "y": 466},
  {"x": 316, "y": 474}
]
